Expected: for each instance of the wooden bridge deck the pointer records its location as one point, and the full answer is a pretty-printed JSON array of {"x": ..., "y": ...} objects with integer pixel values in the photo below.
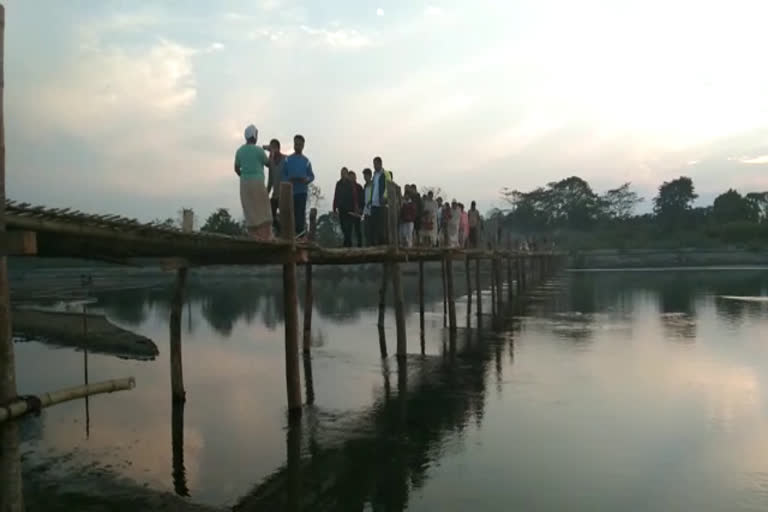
[{"x": 64, "y": 233}]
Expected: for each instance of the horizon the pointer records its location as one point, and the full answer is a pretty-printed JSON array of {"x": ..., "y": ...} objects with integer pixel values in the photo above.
[{"x": 138, "y": 110}]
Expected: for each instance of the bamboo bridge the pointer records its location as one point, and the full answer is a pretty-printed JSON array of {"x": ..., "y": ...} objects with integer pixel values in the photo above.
[
  {"x": 39, "y": 231},
  {"x": 36, "y": 231}
]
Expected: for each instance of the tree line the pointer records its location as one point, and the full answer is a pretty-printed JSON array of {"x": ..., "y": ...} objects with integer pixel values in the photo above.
[{"x": 570, "y": 207}]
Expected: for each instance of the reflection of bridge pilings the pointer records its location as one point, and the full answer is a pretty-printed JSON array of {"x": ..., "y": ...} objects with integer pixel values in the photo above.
[
  {"x": 226, "y": 302},
  {"x": 385, "y": 451},
  {"x": 177, "y": 449}
]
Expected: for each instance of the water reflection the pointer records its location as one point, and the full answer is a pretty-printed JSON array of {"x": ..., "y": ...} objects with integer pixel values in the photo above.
[
  {"x": 177, "y": 448},
  {"x": 224, "y": 302},
  {"x": 386, "y": 450}
]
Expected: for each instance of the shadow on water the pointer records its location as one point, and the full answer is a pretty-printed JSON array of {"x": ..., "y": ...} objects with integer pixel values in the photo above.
[{"x": 378, "y": 456}]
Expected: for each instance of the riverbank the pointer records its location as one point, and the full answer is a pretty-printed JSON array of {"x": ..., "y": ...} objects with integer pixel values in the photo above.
[{"x": 665, "y": 258}]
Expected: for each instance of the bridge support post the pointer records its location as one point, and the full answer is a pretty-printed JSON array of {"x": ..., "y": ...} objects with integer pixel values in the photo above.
[
  {"x": 11, "y": 498},
  {"x": 421, "y": 297},
  {"x": 468, "y": 276},
  {"x": 397, "y": 286},
  {"x": 494, "y": 291},
  {"x": 479, "y": 292},
  {"x": 450, "y": 291},
  {"x": 499, "y": 282},
  {"x": 445, "y": 293},
  {"x": 177, "y": 302},
  {"x": 290, "y": 303},
  {"x": 383, "y": 293},
  {"x": 308, "y": 297}
]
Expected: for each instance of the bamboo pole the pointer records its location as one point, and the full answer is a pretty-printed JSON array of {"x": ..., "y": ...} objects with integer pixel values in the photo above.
[
  {"x": 397, "y": 285},
  {"x": 11, "y": 497},
  {"x": 451, "y": 295},
  {"x": 383, "y": 294},
  {"x": 445, "y": 293},
  {"x": 467, "y": 275},
  {"x": 7, "y": 363},
  {"x": 478, "y": 291},
  {"x": 493, "y": 286},
  {"x": 290, "y": 303},
  {"x": 19, "y": 407},
  {"x": 308, "y": 296},
  {"x": 308, "y": 300},
  {"x": 309, "y": 383},
  {"x": 499, "y": 283},
  {"x": 421, "y": 300},
  {"x": 382, "y": 342},
  {"x": 177, "y": 372}
]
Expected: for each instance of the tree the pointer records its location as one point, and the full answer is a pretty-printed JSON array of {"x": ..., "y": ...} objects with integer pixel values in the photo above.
[
  {"x": 759, "y": 202},
  {"x": 315, "y": 195},
  {"x": 328, "y": 231},
  {"x": 675, "y": 200},
  {"x": 619, "y": 203},
  {"x": 436, "y": 191},
  {"x": 730, "y": 206},
  {"x": 222, "y": 222},
  {"x": 168, "y": 223}
]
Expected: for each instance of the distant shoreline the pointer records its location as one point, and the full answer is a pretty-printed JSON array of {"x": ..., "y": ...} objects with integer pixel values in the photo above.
[{"x": 665, "y": 258}]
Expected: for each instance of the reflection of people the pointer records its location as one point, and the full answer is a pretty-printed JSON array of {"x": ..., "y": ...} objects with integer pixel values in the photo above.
[
  {"x": 250, "y": 161},
  {"x": 297, "y": 169}
]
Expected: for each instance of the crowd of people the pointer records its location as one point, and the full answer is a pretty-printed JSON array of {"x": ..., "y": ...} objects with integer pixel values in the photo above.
[{"x": 361, "y": 209}]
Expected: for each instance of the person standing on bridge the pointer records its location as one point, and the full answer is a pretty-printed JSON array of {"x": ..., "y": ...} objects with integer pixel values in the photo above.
[
  {"x": 474, "y": 226},
  {"x": 357, "y": 216},
  {"x": 297, "y": 169},
  {"x": 250, "y": 161},
  {"x": 368, "y": 198},
  {"x": 379, "y": 202},
  {"x": 343, "y": 204},
  {"x": 276, "y": 159}
]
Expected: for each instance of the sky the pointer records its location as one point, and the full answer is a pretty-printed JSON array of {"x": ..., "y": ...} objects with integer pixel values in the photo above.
[{"x": 137, "y": 108}]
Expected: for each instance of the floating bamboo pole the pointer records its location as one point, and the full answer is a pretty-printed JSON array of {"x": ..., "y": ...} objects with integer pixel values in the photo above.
[
  {"x": 19, "y": 407},
  {"x": 290, "y": 302}
]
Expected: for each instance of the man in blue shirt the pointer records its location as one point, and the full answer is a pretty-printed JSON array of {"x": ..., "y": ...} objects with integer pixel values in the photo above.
[{"x": 297, "y": 169}]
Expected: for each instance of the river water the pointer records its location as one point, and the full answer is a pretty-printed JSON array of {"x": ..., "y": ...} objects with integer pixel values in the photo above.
[{"x": 614, "y": 390}]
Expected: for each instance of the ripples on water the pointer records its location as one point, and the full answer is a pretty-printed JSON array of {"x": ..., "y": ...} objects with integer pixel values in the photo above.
[{"x": 609, "y": 391}]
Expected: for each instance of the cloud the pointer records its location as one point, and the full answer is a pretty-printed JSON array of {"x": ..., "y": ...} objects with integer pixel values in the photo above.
[
  {"x": 349, "y": 39},
  {"x": 763, "y": 159},
  {"x": 110, "y": 83},
  {"x": 433, "y": 11},
  {"x": 379, "y": 12}
]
